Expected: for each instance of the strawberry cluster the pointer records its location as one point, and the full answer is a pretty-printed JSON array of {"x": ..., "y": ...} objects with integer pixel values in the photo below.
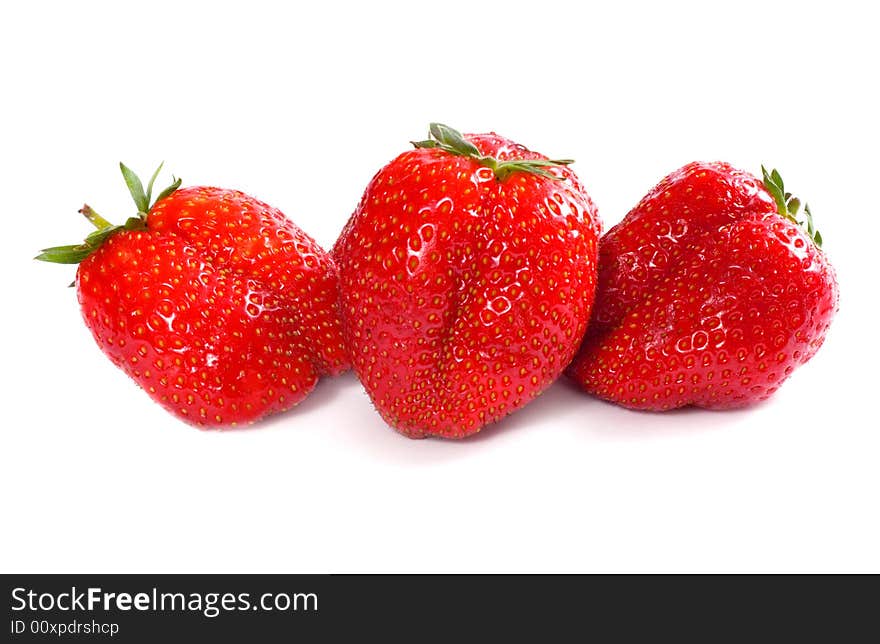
[{"x": 470, "y": 276}]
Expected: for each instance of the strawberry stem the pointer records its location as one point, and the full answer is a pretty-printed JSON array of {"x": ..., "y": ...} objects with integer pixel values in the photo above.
[
  {"x": 452, "y": 141},
  {"x": 97, "y": 220},
  {"x": 75, "y": 253},
  {"x": 788, "y": 206}
]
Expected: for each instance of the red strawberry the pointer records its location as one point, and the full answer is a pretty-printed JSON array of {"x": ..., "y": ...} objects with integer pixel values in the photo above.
[
  {"x": 212, "y": 301},
  {"x": 466, "y": 279},
  {"x": 710, "y": 294}
]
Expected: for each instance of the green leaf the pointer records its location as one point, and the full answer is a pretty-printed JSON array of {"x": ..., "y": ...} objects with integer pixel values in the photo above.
[
  {"x": 135, "y": 187},
  {"x": 150, "y": 185},
  {"x": 65, "y": 254},
  {"x": 543, "y": 162},
  {"x": 773, "y": 183},
  {"x": 506, "y": 168},
  {"x": 454, "y": 139},
  {"x": 98, "y": 237},
  {"x": 811, "y": 228},
  {"x": 777, "y": 181},
  {"x": 76, "y": 253},
  {"x": 788, "y": 205},
  {"x": 174, "y": 186},
  {"x": 533, "y": 166}
]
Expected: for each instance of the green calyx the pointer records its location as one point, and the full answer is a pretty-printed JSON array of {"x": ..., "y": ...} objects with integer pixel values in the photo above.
[
  {"x": 143, "y": 200},
  {"x": 451, "y": 140},
  {"x": 789, "y": 206}
]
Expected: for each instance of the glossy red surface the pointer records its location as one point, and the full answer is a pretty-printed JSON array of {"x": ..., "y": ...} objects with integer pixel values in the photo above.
[
  {"x": 222, "y": 310},
  {"x": 463, "y": 296},
  {"x": 706, "y": 297}
]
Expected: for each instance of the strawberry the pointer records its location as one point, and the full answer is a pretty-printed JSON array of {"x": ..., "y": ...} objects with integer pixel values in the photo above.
[
  {"x": 466, "y": 280},
  {"x": 710, "y": 293},
  {"x": 212, "y": 301}
]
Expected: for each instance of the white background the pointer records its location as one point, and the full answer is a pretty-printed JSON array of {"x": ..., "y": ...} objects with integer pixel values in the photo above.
[{"x": 300, "y": 107}]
